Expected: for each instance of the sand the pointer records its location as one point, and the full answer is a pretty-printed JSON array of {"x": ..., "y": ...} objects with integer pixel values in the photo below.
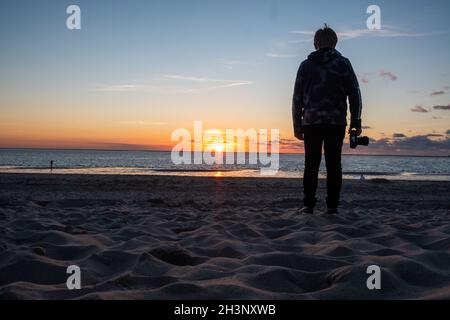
[{"x": 164, "y": 237}]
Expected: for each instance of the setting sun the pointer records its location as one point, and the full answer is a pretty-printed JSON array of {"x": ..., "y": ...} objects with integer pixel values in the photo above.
[{"x": 218, "y": 147}]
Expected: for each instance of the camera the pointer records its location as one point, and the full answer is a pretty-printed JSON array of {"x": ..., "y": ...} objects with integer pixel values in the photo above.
[{"x": 356, "y": 141}]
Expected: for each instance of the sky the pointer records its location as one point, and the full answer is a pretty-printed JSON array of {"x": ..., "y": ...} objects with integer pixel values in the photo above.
[{"x": 138, "y": 70}]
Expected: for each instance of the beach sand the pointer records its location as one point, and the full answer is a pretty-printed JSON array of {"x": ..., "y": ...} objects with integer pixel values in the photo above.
[{"x": 168, "y": 237}]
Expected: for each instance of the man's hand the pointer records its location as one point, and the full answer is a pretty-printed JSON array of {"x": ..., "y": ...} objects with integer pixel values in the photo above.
[
  {"x": 299, "y": 135},
  {"x": 358, "y": 131}
]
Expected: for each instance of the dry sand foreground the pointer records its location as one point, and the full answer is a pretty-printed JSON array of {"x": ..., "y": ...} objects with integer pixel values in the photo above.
[{"x": 219, "y": 238}]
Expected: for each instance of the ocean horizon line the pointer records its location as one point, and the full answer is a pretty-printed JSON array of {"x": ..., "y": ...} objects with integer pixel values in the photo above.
[{"x": 168, "y": 151}]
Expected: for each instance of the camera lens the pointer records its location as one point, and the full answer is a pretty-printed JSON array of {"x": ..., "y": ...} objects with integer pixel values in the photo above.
[{"x": 363, "y": 141}]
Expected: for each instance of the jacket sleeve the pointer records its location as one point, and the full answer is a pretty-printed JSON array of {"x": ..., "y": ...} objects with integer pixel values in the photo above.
[
  {"x": 354, "y": 98},
  {"x": 297, "y": 101}
]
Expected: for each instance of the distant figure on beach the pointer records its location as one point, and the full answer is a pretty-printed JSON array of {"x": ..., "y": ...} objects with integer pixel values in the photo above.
[
  {"x": 51, "y": 165},
  {"x": 319, "y": 110}
]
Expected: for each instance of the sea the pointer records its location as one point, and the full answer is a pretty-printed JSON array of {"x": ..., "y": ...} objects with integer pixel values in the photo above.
[{"x": 160, "y": 163}]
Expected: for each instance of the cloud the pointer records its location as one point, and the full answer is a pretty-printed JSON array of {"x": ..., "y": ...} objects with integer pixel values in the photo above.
[
  {"x": 281, "y": 55},
  {"x": 221, "y": 83},
  {"x": 415, "y": 145},
  {"x": 230, "y": 62},
  {"x": 291, "y": 144},
  {"x": 122, "y": 146},
  {"x": 419, "y": 109},
  {"x": 444, "y": 90},
  {"x": 190, "y": 78},
  {"x": 126, "y": 88},
  {"x": 173, "y": 88},
  {"x": 385, "y": 32},
  {"x": 229, "y": 85},
  {"x": 447, "y": 107},
  {"x": 364, "y": 78},
  {"x": 387, "y": 74},
  {"x": 303, "y": 32},
  {"x": 422, "y": 141},
  {"x": 398, "y": 135},
  {"x": 427, "y": 144}
]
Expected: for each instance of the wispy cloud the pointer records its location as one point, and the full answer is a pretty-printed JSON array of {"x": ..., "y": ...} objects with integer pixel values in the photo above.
[
  {"x": 364, "y": 78},
  {"x": 220, "y": 83},
  {"x": 230, "y": 62},
  {"x": 446, "y": 108},
  {"x": 191, "y": 78},
  {"x": 123, "y": 146},
  {"x": 291, "y": 144},
  {"x": 281, "y": 55},
  {"x": 126, "y": 88},
  {"x": 385, "y": 32},
  {"x": 303, "y": 32},
  {"x": 439, "y": 92},
  {"x": 419, "y": 109},
  {"x": 388, "y": 75},
  {"x": 174, "y": 88},
  {"x": 307, "y": 36},
  {"x": 398, "y": 136}
]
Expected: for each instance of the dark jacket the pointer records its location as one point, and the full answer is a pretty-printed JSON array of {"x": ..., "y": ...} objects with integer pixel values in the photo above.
[{"x": 324, "y": 81}]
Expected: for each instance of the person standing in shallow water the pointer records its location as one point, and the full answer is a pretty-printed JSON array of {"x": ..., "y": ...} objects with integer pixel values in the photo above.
[{"x": 319, "y": 110}]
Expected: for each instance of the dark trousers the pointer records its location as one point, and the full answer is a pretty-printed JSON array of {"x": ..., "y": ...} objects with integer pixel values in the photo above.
[{"x": 332, "y": 137}]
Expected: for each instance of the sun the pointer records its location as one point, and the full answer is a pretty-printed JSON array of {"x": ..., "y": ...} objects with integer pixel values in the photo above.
[{"x": 217, "y": 147}]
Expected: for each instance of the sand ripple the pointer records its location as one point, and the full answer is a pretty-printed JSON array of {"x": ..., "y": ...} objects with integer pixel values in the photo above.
[{"x": 228, "y": 239}]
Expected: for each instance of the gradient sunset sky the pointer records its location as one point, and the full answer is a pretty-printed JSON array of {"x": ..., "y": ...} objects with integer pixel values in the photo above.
[{"x": 137, "y": 70}]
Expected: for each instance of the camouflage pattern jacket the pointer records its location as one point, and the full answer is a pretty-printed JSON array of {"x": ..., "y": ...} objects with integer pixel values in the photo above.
[{"x": 324, "y": 82}]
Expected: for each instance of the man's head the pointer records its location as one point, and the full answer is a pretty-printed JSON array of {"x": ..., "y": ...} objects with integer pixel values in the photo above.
[{"x": 325, "y": 38}]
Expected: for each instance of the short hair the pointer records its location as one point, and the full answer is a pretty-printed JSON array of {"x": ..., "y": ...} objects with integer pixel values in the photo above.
[{"x": 325, "y": 38}]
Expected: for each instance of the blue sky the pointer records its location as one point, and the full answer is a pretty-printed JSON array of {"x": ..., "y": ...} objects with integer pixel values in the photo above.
[{"x": 139, "y": 69}]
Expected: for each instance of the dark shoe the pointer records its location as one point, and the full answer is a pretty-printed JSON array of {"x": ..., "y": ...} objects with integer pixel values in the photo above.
[
  {"x": 332, "y": 211},
  {"x": 306, "y": 210}
]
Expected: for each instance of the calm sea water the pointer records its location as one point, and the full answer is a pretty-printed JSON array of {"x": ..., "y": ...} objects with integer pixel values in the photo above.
[{"x": 146, "y": 162}]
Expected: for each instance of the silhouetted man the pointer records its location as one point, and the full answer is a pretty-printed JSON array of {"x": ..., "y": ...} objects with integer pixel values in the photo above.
[{"x": 319, "y": 110}]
